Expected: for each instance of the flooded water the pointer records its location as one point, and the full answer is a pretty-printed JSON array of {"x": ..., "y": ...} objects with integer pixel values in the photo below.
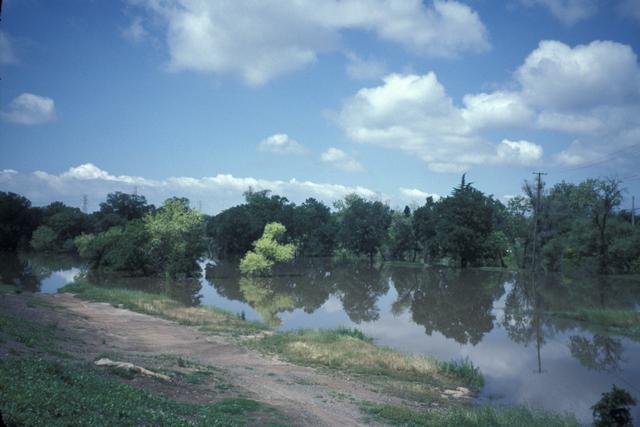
[{"x": 495, "y": 319}]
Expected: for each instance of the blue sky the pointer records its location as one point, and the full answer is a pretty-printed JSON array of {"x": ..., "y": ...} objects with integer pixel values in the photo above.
[{"x": 390, "y": 99}]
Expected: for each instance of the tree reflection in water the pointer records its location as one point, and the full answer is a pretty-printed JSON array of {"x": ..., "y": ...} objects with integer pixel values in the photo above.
[
  {"x": 456, "y": 303},
  {"x": 28, "y": 271},
  {"x": 600, "y": 353}
]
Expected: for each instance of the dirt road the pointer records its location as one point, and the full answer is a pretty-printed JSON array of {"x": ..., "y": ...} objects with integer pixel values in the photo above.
[{"x": 307, "y": 397}]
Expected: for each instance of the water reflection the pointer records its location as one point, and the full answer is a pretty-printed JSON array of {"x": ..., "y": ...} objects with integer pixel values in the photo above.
[
  {"x": 499, "y": 320},
  {"x": 186, "y": 291},
  {"x": 35, "y": 272},
  {"x": 456, "y": 303},
  {"x": 600, "y": 353}
]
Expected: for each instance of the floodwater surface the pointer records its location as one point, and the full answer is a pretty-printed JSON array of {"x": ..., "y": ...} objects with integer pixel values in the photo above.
[{"x": 498, "y": 320}]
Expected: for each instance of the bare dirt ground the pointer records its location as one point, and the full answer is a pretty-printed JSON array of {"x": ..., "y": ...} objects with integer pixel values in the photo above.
[{"x": 305, "y": 396}]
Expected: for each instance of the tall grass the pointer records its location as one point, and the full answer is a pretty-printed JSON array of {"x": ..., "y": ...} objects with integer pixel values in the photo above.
[
  {"x": 351, "y": 351},
  {"x": 479, "y": 416}
]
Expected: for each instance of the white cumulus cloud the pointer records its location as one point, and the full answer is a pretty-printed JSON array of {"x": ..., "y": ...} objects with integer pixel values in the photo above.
[
  {"x": 413, "y": 113},
  {"x": 281, "y": 143},
  {"x": 588, "y": 94},
  {"x": 341, "y": 160},
  {"x": 30, "y": 109},
  {"x": 259, "y": 41}
]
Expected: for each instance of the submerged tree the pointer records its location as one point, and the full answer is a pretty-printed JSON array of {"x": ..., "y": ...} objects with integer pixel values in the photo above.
[
  {"x": 465, "y": 223},
  {"x": 363, "y": 225},
  {"x": 267, "y": 251}
]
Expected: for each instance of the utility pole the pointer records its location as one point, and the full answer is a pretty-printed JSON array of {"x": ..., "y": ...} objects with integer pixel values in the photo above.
[
  {"x": 633, "y": 210},
  {"x": 536, "y": 218},
  {"x": 135, "y": 190},
  {"x": 85, "y": 203}
]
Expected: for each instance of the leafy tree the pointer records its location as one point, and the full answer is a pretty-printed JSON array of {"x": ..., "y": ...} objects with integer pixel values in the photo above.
[
  {"x": 465, "y": 222},
  {"x": 118, "y": 249},
  {"x": 118, "y": 209},
  {"x": 44, "y": 239},
  {"x": 175, "y": 239},
  {"x": 363, "y": 226},
  {"x": 267, "y": 251},
  {"x": 401, "y": 239},
  {"x": 17, "y": 221},
  {"x": 234, "y": 230},
  {"x": 600, "y": 197},
  {"x": 63, "y": 224},
  {"x": 315, "y": 227},
  {"x": 424, "y": 229},
  {"x": 613, "y": 409},
  {"x": 126, "y": 206}
]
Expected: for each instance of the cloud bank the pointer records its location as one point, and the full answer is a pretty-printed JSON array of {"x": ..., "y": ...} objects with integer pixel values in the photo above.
[{"x": 214, "y": 192}]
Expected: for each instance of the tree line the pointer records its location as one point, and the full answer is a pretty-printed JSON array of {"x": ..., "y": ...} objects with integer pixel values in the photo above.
[{"x": 564, "y": 227}]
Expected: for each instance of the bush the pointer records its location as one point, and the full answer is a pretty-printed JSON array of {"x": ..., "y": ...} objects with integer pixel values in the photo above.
[
  {"x": 44, "y": 239},
  {"x": 613, "y": 409},
  {"x": 267, "y": 251}
]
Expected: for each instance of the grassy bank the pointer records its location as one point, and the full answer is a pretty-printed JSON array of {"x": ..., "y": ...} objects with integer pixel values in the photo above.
[
  {"x": 424, "y": 381},
  {"x": 208, "y": 319},
  {"x": 44, "y": 382},
  {"x": 36, "y": 391},
  {"x": 467, "y": 416},
  {"x": 351, "y": 352}
]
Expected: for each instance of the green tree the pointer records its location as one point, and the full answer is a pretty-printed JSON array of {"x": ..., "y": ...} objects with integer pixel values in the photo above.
[
  {"x": 17, "y": 221},
  {"x": 267, "y": 251},
  {"x": 315, "y": 227},
  {"x": 176, "y": 239},
  {"x": 600, "y": 197},
  {"x": 234, "y": 230},
  {"x": 465, "y": 222},
  {"x": 401, "y": 239},
  {"x": 126, "y": 206},
  {"x": 424, "y": 228},
  {"x": 44, "y": 239},
  {"x": 613, "y": 409},
  {"x": 65, "y": 222},
  {"x": 118, "y": 209},
  {"x": 119, "y": 249},
  {"x": 363, "y": 225}
]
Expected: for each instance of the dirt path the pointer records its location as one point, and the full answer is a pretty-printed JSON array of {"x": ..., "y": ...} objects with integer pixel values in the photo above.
[{"x": 307, "y": 397}]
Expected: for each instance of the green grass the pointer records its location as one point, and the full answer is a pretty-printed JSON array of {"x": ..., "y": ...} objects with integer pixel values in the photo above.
[
  {"x": 8, "y": 289},
  {"x": 27, "y": 332},
  {"x": 351, "y": 352},
  {"x": 208, "y": 319},
  {"x": 41, "y": 392},
  {"x": 467, "y": 416}
]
